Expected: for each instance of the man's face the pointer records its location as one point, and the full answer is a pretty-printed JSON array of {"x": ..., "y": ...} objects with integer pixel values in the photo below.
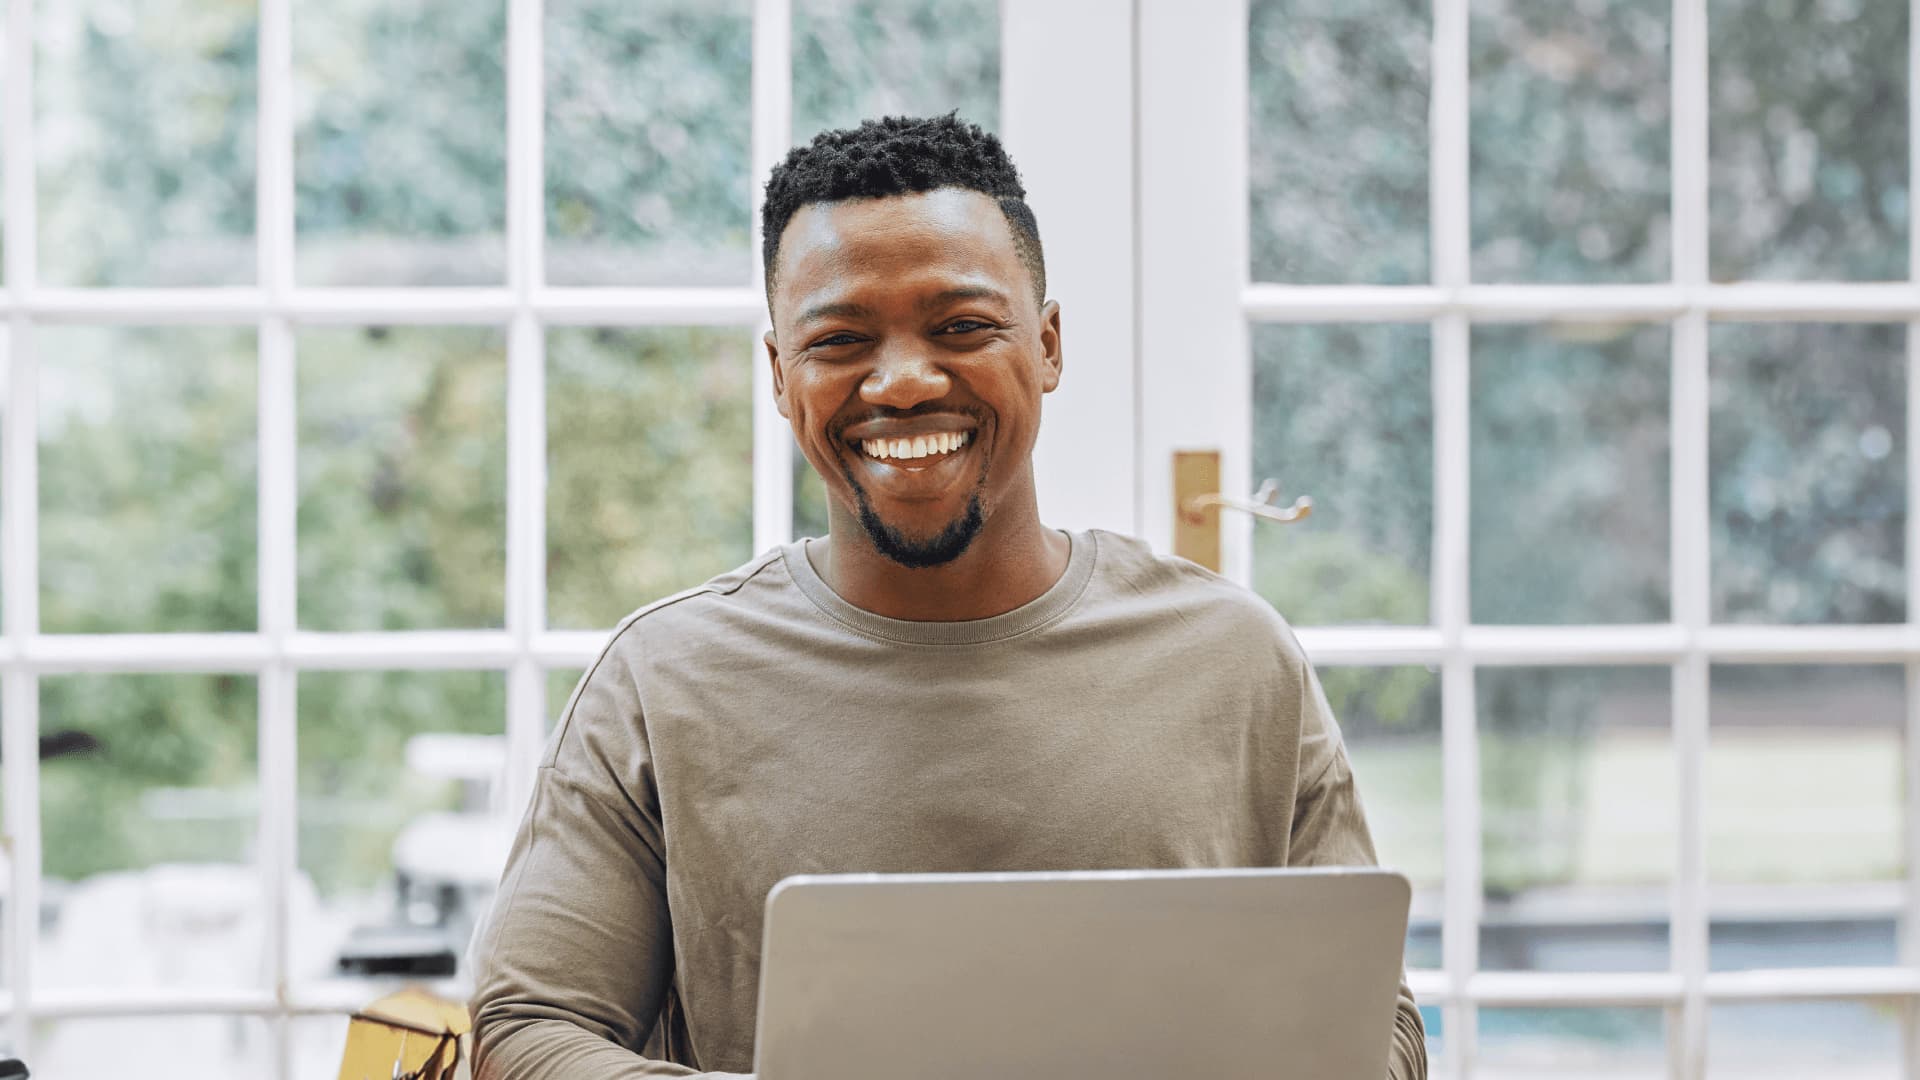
[{"x": 910, "y": 356}]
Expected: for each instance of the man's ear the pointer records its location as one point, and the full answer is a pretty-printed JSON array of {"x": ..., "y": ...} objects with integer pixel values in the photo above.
[
  {"x": 1050, "y": 356},
  {"x": 779, "y": 376}
]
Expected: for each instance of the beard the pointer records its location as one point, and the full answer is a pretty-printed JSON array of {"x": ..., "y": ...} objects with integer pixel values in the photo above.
[{"x": 941, "y": 548}]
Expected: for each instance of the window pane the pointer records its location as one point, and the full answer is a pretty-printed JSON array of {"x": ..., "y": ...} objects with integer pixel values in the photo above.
[
  {"x": 1809, "y": 432},
  {"x": 1619, "y": 1044},
  {"x": 1808, "y": 134},
  {"x": 147, "y": 479},
  {"x": 1570, "y": 141},
  {"x": 1345, "y": 414},
  {"x": 649, "y": 466},
  {"x": 809, "y": 498},
  {"x": 1805, "y": 808},
  {"x": 649, "y": 116},
  {"x": 1338, "y": 157},
  {"x": 147, "y": 833},
  {"x": 1835, "y": 1040},
  {"x": 1390, "y": 718},
  {"x": 156, "y": 1047},
  {"x": 145, "y": 141},
  {"x": 560, "y": 686},
  {"x": 403, "y": 477},
  {"x": 1569, "y": 448},
  {"x": 857, "y": 60},
  {"x": 320, "y": 1041},
  {"x": 1579, "y": 811},
  {"x": 400, "y": 150},
  {"x": 401, "y": 842}
]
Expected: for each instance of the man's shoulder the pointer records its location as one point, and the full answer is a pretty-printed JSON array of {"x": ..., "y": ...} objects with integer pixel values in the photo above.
[
  {"x": 752, "y": 583},
  {"x": 1189, "y": 597}
]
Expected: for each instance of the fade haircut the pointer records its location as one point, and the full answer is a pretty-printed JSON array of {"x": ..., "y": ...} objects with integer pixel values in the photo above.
[{"x": 900, "y": 155}]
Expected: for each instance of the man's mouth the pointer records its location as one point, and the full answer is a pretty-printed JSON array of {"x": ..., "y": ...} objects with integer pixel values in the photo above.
[{"x": 915, "y": 451}]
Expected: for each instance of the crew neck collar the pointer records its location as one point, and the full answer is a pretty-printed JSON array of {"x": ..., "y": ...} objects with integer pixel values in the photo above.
[{"x": 1042, "y": 609}]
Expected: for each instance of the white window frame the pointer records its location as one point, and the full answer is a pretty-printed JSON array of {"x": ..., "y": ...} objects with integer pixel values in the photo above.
[{"x": 1197, "y": 301}]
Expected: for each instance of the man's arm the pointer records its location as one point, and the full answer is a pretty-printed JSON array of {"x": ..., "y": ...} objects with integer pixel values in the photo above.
[
  {"x": 1330, "y": 829},
  {"x": 575, "y": 959}
]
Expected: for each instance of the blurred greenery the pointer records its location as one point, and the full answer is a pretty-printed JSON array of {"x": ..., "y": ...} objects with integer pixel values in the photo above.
[
  {"x": 147, "y": 485},
  {"x": 1570, "y": 140},
  {"x": 387, "y": 92},
  {"x": 1807, "y": 119},
  {"x": 147, "y": 479},
  {"x": 649, "y": 466},
  {"x": 403, "y": 477},
  {"x": 145, "y": 141},
  {"x": 193, "y": 737},
  {"x": 356, "y": 792},
  {"x": 649, "y": 117}
]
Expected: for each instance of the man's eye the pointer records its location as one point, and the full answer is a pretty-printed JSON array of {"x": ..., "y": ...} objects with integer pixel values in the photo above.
[
  {"x": 966, "y": 326},
  {"x": 835, "y": 339}
]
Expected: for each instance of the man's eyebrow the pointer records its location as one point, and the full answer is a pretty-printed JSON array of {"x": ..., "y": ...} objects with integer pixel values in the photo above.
[
  {"x": 963, "y": 292},
  {"x": 837, "y": 310}
]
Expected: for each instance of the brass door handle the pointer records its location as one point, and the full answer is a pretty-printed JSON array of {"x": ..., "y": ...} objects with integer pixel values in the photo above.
[{"x": 1196, "y": 489}]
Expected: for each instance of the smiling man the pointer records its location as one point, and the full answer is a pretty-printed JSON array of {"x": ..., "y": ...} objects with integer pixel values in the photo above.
[{"x": 942, "y": 684}]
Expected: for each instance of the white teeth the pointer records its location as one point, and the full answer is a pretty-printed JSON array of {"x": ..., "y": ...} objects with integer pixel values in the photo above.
[{"x": 919, "y": 446}]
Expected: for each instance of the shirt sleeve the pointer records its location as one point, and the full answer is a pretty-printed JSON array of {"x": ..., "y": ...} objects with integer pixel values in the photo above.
[
  {"x": 576, "y": 958},
  {"x": 1330, "y": 829}
]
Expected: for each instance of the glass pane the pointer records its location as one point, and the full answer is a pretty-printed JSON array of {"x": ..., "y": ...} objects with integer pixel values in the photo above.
[
  {"x": 403, "y": 477},
  {"x": 857, "y": 60},
  {"x": 560, "y": 686},
  {"x": 1809, "y": 473},
  {"x": 1391, "y": 720},
  {"x": 401, "y": 141},
  {"x": 1807, "y": 124},
  {"x": 1834, "y": 1040},
  {"x": 1569, "y": 449},
  {"x": 1805, "y": 804},
  {"x": 1579, "y": 811},
  {"x": 1619, "y": 1044},
  {"x": 1570, "y": 141},
  {"x": 1337, "y": 163},
  {"x": 148, "y": 831},
  {"x": 145, "y": 141},
  {"x": 649, "y": 116},
  {"x": 401, "y": 839},
  {"x": 157, "y": 1047},
  {"x": 809, "y": 498},
  {"x": 1345, "y": 414},
  {"x": 318, "y": 1044},
  {"x": 1435, "y": 1022},
  {"x": 649, "y": 466},
  {"x": 147, "y": 479}
]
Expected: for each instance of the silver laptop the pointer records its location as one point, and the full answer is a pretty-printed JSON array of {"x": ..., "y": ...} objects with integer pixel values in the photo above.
[{"x": 1225, "y": 974}]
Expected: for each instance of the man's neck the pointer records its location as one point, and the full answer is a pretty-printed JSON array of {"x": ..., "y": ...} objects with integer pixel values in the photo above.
[{"x": 1011, "y": 563}]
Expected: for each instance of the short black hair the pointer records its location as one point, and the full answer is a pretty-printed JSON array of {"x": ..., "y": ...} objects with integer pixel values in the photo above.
[{"x": 900, "y": 155}]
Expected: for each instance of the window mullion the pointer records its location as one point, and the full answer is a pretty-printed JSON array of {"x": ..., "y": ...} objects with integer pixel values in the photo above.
[
  {"x": 1910, "y": 913},
  {"x": 278, "y": 504},
  {"x": 1450, "y": 240},
  {"x": 772, "y": 135},
  {"x": 19, "y": 534},
  {"x": 526, "y": 398},
  {"x": 1689, "y": 552}
]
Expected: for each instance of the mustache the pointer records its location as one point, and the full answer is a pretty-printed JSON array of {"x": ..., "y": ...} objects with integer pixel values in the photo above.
[{"x": 841, "y": 424}]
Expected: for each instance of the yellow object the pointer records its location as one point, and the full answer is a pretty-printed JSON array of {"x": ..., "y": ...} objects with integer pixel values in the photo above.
[{"x": 411, "y": 1035}]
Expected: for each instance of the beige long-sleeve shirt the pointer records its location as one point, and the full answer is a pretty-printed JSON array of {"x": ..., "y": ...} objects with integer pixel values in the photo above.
[{"x": 1142, "y": 713}]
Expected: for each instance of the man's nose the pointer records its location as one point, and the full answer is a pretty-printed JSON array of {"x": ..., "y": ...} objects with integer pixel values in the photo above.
[{"x": 903, "y": 377}]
